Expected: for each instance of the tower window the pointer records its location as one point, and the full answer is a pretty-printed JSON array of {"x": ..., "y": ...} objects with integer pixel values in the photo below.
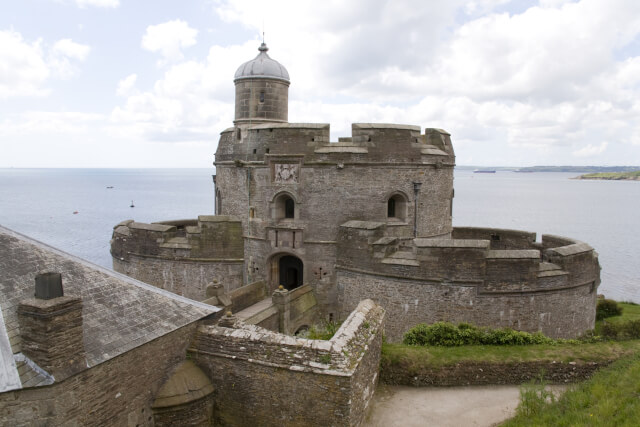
[
  {"x": 397, "y": 207},
  {"x": 261, "y": 97},
  {"x": 289, "y": 208},
  {"x": 284, "y": 207}
]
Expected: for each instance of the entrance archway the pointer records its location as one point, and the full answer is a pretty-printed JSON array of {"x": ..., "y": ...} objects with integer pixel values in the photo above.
[{"x": 290, "y": 272}]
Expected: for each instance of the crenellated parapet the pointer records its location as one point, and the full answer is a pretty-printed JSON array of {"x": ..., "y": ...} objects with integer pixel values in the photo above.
[
  {"x": 210, "y": 237},
  {"x": 496, "y": 270},
  {"x": 369, "y": 142},
  {"x": 181, "y": 256}
]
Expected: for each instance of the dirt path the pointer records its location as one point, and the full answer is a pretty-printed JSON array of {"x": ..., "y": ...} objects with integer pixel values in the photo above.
[{"x": 442, "y": 406}]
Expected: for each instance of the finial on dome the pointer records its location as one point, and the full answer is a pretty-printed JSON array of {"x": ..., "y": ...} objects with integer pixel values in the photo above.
[{"x": 263, "y": 47}]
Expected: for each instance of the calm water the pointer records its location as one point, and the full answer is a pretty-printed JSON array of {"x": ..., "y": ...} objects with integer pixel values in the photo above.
[{"x": 41, "y": 203}]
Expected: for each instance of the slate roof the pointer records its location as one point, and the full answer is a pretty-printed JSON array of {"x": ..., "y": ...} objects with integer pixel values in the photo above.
[{"x": 119, "y": 313}]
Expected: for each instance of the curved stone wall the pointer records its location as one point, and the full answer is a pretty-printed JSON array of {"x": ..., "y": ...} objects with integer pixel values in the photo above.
[
  {"x": 181, "y": 256},
  {"x": 536, "y": 287}
]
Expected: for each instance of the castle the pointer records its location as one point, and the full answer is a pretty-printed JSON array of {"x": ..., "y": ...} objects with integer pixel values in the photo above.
[
  {"x": 202, "y": 327},
  {"x": 369, "y": 216}
]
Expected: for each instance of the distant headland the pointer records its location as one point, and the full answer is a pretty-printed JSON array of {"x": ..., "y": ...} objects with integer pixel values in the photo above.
[
  {"x": 613, "y": 176},
  {"x": 574, "y": 169}
]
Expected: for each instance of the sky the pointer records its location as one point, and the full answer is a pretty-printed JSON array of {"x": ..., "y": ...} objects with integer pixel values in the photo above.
[{"x": 149, "y": 83}]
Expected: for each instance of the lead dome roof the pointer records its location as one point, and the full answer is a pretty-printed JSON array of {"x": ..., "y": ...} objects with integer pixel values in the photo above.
[{"x": 262, "y": 67}]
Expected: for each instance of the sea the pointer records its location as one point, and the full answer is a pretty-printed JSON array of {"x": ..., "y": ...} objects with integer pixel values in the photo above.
[{"x": 76, "y": 209}]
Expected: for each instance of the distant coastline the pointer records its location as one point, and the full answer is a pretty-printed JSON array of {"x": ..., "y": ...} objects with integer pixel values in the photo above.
[
  {"x": 612, "y": 176},
  {"x": 573, "y": 169}
]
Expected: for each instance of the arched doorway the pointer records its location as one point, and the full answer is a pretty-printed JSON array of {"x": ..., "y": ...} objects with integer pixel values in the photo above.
[{"x": 290, "y": 272}]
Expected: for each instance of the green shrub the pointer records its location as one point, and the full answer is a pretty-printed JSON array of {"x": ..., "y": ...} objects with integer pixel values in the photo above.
[
  {"x": 628, "y": 330},
  {"x": 448, "y": 335},
  {"x": 607, "y": 308}
]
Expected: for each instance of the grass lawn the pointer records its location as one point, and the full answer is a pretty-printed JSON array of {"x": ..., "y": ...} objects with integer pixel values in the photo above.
[
  {"x": 610, "y": 398},
  {"x": 414, "y": 357}
]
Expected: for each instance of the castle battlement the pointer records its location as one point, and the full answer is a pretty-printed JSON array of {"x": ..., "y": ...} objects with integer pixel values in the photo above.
[
  {"x": 182, "y": 256},
  {"x": 369, "y": 142}
]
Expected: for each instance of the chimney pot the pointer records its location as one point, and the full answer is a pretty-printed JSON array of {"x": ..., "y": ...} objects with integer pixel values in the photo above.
[{"x": 48, "y": 285}]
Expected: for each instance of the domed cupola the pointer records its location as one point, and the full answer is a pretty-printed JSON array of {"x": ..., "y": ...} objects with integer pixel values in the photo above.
[
  {"x": 262, "y": 67},
  {"x": 262, "y": 90}
]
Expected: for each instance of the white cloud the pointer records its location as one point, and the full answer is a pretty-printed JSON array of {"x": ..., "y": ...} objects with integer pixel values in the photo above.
[
  {"x": 97, "y": 3},
  {"x": 591, "y": 150},
  {"x": 65, "y": 55},
  {"x": 71, "y": 49},
  {"x": 23, "y": 69},
  {"x": 47, "y": 123},
  {"x": 169, "y": 39},
  {"x": 125, "y": 86}
]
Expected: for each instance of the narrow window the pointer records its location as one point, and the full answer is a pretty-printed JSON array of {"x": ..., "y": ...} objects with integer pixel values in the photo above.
[
  {"x": 252, "y": 212},
  {"x": 289, "y": 208},
  {"x": 397, "y": 208},
  {"x": 261, "y": 97},
  {"x": 254, "y": 151},
  {"x": 239, "y": 134},
  {"x": 391, "y": 208}
]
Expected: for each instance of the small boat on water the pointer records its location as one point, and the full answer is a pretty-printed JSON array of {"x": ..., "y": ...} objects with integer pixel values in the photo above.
[
  {"x": 132, "y": 205},
  {"x": 484, "y": 171}
]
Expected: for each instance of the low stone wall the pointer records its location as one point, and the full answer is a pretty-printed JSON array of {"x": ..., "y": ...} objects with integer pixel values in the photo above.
[
  {"x": 310, "y": 382},
  {"x": 477, "y": 373},
  {"x": 246, "y": 296}
]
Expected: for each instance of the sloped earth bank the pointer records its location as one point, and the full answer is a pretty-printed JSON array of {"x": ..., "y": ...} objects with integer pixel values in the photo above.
[
  {"x": 487, "y": 373},
  {"x": 444, "y": 406}
]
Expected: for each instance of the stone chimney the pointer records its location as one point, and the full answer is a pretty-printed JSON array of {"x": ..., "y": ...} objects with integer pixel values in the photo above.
[{"x": 51, "y": 328}]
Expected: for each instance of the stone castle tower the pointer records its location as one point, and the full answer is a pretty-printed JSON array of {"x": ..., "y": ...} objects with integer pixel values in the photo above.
[
  {"x": 367, "y": 216},
  {"x": 262, "y": 91},
  {"x": 292, "y": 188}
]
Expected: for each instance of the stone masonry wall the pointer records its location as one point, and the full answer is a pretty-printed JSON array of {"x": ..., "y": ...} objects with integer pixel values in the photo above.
[
  {"x": 559, "y": 314},
  {"x": 463, "y": 280},
  {"x": 275, "y": 103},
  {"x": 309, "y": 382},
  {"x": 182, "y": 277},
  {"x": 117, "y": 392},
  {"x": 181, "y": 256}
]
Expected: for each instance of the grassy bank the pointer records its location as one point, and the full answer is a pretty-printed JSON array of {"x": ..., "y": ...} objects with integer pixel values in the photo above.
[
  {"x": 416, "y": 358},
  {"x": 635, "y": 175},
  {"x": 611, "y": 397}
]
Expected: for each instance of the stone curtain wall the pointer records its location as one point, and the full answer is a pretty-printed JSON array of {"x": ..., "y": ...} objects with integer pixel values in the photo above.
[
  {"x": 265, "y": 378},
  {"x": 117, "y": 392},
  {"x": 462, "y": 280}
]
